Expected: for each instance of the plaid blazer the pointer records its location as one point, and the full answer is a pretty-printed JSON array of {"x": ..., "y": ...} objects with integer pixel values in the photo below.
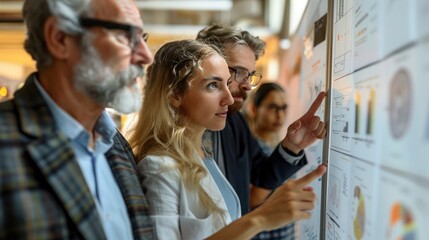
[{"x": 43, "y": 193}]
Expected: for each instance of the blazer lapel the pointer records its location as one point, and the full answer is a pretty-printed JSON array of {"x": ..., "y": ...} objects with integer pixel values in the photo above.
[
  {"x": 121, "y": 161},
  {"x": 52, "y": 153},
  {"x": 57, "y": 163}
]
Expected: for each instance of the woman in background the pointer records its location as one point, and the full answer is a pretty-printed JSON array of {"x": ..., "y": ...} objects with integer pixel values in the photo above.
[
  {"x": 269, "y": 106},
  {"x": 269, "y": 114},
  {"x": 189, "y": 198}
]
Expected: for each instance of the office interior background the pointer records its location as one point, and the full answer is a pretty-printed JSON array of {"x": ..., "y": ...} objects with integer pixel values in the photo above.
[{"x": 166, "y": 20}]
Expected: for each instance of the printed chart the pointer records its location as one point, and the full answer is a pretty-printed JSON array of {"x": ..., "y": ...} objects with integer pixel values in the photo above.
[
  {"x": 367, "y": 32},
  {"x": 310, "y": 228},
  {"x": 400, "y": 103},
  {"x": 343, "y": 41},
  {"x": 339, "y": 181},
  {"x": 402, "y": 113},
  {"x": 363, "y": 199},
  {"x": 403, "y": 212},
  {"x": 366, "y": 134},
  {"x": 342, "y": 123},
  {"x": 359, "y": 220}
]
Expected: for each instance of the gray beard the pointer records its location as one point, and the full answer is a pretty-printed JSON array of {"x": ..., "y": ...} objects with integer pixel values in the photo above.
[{"x": 117, "y": 90}]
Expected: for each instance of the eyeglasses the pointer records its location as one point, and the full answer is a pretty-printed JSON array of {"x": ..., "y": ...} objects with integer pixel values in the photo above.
[
  {"x": 134, "y": 33},
  {"x": 241, "y": 76},
  {"x": 274, "y": 107}
]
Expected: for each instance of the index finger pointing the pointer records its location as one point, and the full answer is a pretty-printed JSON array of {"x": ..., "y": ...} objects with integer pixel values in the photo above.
[
  {"x": 310, "y": 177},
  {"x": 316, "y": 104}
]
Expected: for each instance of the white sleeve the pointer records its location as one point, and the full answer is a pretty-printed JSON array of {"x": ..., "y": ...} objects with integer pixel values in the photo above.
[
  {"x": 176, "y": 213},
  {"x": 161, "y": 187}
]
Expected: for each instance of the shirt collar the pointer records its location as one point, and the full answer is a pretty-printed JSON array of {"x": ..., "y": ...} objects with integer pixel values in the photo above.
[{"x": 104, "y": 126}]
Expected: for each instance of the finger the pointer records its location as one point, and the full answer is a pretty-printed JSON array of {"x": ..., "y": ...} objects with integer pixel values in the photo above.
[
  {"x": 306, "y": 196},
  {"x": 314, "y": 124},
  {"x": 316, "y": 104},
  {"x": 319, "y": 129},
  {"x": 310, "y": 177},
  {"x": 297, "y": 215},
  {"x": 294, "y": 127},
  {"x": 322, "y": 134},
  {"x": 301, "y": 215},
  {"x": 304, "y": 206}
]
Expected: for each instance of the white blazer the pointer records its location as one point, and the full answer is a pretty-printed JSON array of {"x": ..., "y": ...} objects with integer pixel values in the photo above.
[{"x": 177, "y": 212}]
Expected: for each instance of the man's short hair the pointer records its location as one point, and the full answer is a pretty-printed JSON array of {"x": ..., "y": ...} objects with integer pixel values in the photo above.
[
  {"x": 223, "y": 37},
  {"x": 36, "y": 12}
]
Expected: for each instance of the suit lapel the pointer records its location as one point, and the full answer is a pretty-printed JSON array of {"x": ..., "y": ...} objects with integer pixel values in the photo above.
[
  {"x": 53, "y": 155},
  {"x": 57, "y": 163},
  {"x": 121, "y": 161}
]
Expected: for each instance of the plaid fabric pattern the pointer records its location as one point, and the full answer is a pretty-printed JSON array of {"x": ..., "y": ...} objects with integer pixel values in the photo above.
[
  {"x": 43, "y": 192},
  {"x": 124, "y": 170},
  {"x": 284, "y": 233}
]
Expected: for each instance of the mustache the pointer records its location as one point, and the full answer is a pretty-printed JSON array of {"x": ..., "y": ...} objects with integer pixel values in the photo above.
[
  {"x": 131, "y": 73},
  {"x": 241, "y": 93}
]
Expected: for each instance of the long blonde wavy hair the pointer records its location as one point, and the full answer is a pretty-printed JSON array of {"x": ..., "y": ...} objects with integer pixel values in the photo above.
[{"x": 160, "y": 129}]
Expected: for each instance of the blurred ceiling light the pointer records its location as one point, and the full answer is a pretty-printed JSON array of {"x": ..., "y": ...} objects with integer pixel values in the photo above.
[
  {"x": 285, "y": 43},
  {"x": 3, "y": 91},
  {"x": 11, "y": 6},
  {"x": 196, "y": 5},
  {"x": 297, "y": 8}
]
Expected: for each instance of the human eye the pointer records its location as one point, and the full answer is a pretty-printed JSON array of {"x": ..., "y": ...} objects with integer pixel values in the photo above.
[
  {"x": 213, "y": 86},
  {"x": 123, "y": 37},
  {"x": 145, "y": 36},
  {"x": 272, "y": 107},
  {"x": 241, "y": 73},
  {"x": 229, "y": 81}
]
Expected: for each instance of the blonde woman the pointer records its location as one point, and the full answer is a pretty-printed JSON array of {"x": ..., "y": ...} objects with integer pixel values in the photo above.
[{"x": 187, "y": 93}]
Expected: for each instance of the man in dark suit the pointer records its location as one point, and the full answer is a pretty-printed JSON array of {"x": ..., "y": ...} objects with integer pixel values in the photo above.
[
  {"x": 236, "y": 151},
  {"x": 65, "y": 170}
]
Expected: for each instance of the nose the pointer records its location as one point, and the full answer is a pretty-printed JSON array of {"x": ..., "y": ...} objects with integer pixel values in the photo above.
[
  {"x": 228, "y": 99},
  {"x": 281, "y": 112},
  {"x": 246, "y": 85},
  {"x": 142, "y": 55}
]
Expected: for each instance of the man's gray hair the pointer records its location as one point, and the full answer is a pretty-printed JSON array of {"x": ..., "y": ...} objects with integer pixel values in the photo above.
[
  {"x": 36, "y": 12},
  {"x": 223, "y": 36}
]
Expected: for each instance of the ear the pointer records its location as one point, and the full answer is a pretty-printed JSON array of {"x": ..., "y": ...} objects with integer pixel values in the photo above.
[
  {"x": 58, "y": 43},
  {"x": 176, "y": 100}
]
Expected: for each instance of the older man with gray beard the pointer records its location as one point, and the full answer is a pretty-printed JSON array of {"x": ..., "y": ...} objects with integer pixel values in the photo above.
[{"x": 65, "y": 171}]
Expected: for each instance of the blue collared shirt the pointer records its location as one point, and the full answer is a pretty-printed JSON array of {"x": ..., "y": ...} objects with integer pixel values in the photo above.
[{"x": 95, "y": 168}]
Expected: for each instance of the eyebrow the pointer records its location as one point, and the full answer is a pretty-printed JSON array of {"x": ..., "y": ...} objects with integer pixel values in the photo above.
[
  {"x": 277, "y": 105},
  {"x": 216, "y": 78},
  {"x": 243, "y": 68}
]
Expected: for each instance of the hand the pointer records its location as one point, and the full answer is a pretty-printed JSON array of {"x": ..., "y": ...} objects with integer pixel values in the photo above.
[
  {"x": 306, "y": 130},
  {"x": 290, "y": 202}
]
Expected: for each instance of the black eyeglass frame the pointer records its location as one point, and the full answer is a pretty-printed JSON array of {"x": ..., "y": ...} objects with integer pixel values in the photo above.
[
  {"x": 131, "y": 29},
  {"x": 277, "y": 108},
  {"x": 249, "y": 74}
]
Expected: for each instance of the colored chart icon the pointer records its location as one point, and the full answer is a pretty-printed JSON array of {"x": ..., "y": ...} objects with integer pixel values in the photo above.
[
  {"x": 359, "y": 220},
  {"x": 400, "y": 103},
  {"x": 401, "y": 224}
]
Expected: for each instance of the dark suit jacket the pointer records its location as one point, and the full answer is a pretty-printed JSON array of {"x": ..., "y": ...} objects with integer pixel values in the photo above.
[
  {"x": 245, "y": 161},
  {"x": 43, "y": 191}
]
